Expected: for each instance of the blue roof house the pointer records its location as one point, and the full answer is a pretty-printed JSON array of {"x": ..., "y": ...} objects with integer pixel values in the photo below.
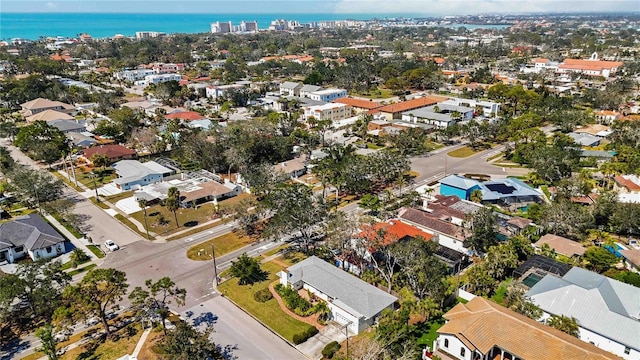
[
  {"x": 505, "y": 191},
  {"x": 459, "y": 186}
]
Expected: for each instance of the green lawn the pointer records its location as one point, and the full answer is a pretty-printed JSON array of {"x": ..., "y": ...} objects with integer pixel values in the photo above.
[
  {"x": 68, "y": 265},
  {"x": 200, "y": 215},
  {"x": 101, "y": 204},
  {"x": 67, "y": 181},
  {"x": 432, "y": 145},
  {"x": 431, "y": 334},
  {"x": 268, "y": 312},
  {"x": 96, "y": 251},
  {"x": 223, "y": 244},
  {"x": 117, "y": 197},
  {"x": 499, "y": 295},
  {"x": 199, "y": 229},
  {"x": 463, "y": 152},
  {"x": 374, "y": 94},
  {"x": 132, "y": 226},
  {"x": 85, "y": 178}
]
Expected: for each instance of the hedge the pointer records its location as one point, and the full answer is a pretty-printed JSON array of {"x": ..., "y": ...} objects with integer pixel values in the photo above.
[
  {"x": 330, "y": 349},
  {"x": 303, "y": 336}
]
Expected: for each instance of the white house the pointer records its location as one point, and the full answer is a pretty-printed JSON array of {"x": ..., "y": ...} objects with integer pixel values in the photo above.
[
  {"x": 29, "y": 235},
  {"x": 331, "y": 111},
  {"x": 441, "y": 115},
  {"x": 289, "y": 88},
  {"x": 607, "y": 310},
  {"x": 215, "y": 91},
  {"x": 353, "y": 302},
  {"x": 133, "y": 75},
  {"x": 446, "y": 233},
  {"x": 132, "y": 173},
  {"x": 307, "y": 90},
  {"x": 482, "y": 329}
]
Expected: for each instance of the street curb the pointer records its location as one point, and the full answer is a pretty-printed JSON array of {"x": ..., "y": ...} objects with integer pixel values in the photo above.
[{"x": 263, "y": 324}]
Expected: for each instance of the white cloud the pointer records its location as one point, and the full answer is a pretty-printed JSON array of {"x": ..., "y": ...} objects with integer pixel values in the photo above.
[
  {"x": 469, "y": 7},
  {"x": 51, "y": 5}
]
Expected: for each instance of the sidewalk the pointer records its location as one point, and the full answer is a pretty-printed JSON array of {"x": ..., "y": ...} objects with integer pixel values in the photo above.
[{"x": 78, "y": 243}]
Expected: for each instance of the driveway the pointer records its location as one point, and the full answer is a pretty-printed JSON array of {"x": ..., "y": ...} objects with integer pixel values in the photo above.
[
  {"x": 312, "y": 348},
  {"x": 128, "y": 205}
]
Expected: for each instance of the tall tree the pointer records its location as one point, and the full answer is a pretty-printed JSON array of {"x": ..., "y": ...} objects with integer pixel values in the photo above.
[
  {"x": 158, "y": 296},
  {"x": 185, "y": 342},
  {"x": 297, "y": 210},
  {"x": 34, "y": 186},
  {"x": 484, "y": 230},
  {"x": 173, "y": 202},
  {"x": 247, "y": 270},
  {"x": 48, "y": 341},
  {"x": 98, "y": 291},
  {"x": 42, "y": 141}
]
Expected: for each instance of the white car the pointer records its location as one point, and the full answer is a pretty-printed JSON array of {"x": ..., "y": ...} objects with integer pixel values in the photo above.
[{"x": 111, "y": 246}]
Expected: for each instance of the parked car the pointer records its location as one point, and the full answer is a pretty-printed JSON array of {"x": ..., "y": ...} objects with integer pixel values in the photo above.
[{"x": 111, "y": 246}]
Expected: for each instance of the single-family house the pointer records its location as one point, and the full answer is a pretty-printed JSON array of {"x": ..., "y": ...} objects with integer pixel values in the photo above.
[
  {"x": 192, "y": 191},
  {"x": 216, "y": 91},
  {"x": 132, "y": 173},
  {"x": 115, "y": 152},
  {"x": 482, "y": 329},
  {"x": 358, "y": 106},
  {"x": 631, "y": 259},
  {"x": 585, "y": 139},
  {"x": 560, "y": 245},
  {"x": 499, "y": 191},
  {"x": 626, "y": 184},
  {"x": 486, "y": 108},
  {"x": 607, "y": 310},
  {"x": 599, "y": 130},
  {"x": 185, "y": 116},
  {"x": 69, "y": 126},
  {"x": 607, "y": 116},
  {"x": 289, "y": 88},
  {"x": 293, "y": 168},
  {"x": 29, "y": 235},
  {"x": 39, "y": 105},
  {"x": 48, "y": 115},
  {"x": 352, "y": 302},
  {"x": 446, "y": 233},
  {"x": 81, "y": 140}
]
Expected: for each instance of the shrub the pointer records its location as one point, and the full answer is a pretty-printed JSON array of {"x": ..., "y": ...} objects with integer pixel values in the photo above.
[
  {"x": 294, "y": 302},
  {"x": 330, "y": 349},
  {"x": 299, "y": 338},
  {"x": 263, "y": 295}
]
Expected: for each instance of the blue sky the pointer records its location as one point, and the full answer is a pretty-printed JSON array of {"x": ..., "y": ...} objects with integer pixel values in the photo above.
[{"x": 417, "y": 7}]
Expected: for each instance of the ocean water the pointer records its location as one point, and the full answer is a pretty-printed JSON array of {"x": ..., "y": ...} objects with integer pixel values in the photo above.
[{"x": 100, "y": 25}]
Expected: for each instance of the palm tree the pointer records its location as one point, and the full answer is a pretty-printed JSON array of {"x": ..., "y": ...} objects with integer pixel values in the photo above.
[
  {"x": 476, "y": 196},
  {"x": 143, "y": 205},
  {"x": 173, "y": 202},
  {"x": 565, "y": 324}
]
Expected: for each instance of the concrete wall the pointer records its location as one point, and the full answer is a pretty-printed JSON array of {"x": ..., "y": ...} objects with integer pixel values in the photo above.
[
  {"x": 44, "y": 254},
  {"x": 453, "y": 348}
]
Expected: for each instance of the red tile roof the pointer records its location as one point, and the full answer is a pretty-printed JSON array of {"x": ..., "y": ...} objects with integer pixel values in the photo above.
[
  {"x": 626, "y": 182},
  {"x": 112, "y": 151},
  {"x": 358, "y": 103},
  {"x": 185, "y": 115},
  {"x": 394, "y": 231},
  {"x": 412, "y": 104}
]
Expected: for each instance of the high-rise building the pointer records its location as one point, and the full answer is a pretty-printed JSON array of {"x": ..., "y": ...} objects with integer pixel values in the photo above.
[
  {"x": 221, "y": 27},
  {"x": 249, "y": 26}
]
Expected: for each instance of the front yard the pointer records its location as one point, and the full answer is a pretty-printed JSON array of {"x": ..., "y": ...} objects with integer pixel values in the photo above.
[
  {"x": 463, "y": 152},
  {"x": 162, "y": 221},
  {"x": 223, "y": 244},
  {"x": 268, "y": 312}
]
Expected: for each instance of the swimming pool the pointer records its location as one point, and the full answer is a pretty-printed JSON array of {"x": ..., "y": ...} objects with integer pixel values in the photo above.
[{"x": 531, "y": 279}]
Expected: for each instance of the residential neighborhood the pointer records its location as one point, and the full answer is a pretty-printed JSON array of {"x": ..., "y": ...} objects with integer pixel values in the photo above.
[{"x": 455, "y": 187}]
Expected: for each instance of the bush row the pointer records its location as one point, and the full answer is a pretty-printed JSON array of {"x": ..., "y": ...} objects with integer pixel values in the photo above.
[
  {"x": 303, "y": 336},
  {"x": 294, "y": 301}
]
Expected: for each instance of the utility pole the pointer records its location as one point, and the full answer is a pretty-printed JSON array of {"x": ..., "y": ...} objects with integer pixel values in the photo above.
[
  {"x": 35, "y": 188},
  {"x": 346, "y": 333},
  {"x": 146, "y": 227},
  {"x": 215, "y": 267},
  {"x": 95, "y": 187}
]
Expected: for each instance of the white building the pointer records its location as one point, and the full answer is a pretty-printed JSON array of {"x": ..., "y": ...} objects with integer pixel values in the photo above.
[
  {"x": 219, "y": 27},
  {"x": 607, "y": 310},
  {"x": 248, "y": 26},
  {"x": 133, "y": 75},
  {"x": 215, "y": 91},
  {"x": 29, "y": 235},
  {"x": 442, "y": 115},
  {"x": 352, "y": 302},
  {"x": 331, "y": 111},
  {"x": 489, "y": 108},
  {"x": 327, "y": 95},
  {"x": 148, "y": 34},
  {"x": 167, "y": 68},
  {"x": 157, "y": 79}
]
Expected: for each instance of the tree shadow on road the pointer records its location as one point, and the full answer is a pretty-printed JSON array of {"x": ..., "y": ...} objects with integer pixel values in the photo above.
[{"x": 207, "y": 319}]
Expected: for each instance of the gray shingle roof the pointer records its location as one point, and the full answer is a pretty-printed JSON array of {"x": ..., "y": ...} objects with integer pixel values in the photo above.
[
  {"x": 133, "y": 170},
  {"x": 290, "y": 85},
  {"x": 345, "y": 290},
  {"x": 30, "y": 231},
  {"x": 600, "y": 304}
]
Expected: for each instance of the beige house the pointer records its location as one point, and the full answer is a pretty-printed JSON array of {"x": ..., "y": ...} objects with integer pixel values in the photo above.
[
  {"x": 39, "y": 105},
  {"x": 331, "y": 111},
  {"x": 49, "y": 115},
  {"x": 561, "y": 245}
]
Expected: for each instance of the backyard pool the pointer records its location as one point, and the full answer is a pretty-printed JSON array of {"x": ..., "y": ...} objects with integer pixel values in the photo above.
[{"x": 531, "y": 279}]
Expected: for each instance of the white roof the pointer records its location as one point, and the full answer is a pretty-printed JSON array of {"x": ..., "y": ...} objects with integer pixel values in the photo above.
[
  {"x": 629, "y": 198},
  {"x": 600, "y": 304},
  {"x": 132, "y": 170}
]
